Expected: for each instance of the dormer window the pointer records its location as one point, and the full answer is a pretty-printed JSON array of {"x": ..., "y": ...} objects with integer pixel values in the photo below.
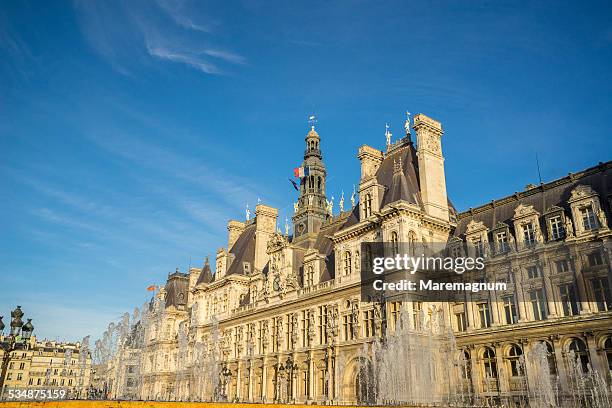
[
  {"x": 529, "y": 236},
  {"x": 556, "y": 227},
  {"x": 246, "y": 268},
  {"x": 478, "y": 247},
  {"x": 501, "y": 239},
  {"x": 309, "y": 279},
  {"x": 588, "y": 218}
]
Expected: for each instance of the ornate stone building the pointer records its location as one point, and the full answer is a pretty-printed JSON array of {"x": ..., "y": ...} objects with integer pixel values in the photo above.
[{"x": 281, "y": 318}]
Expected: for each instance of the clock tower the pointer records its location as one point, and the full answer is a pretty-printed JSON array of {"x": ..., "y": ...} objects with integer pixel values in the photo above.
[{"x": 311, "y": 207}]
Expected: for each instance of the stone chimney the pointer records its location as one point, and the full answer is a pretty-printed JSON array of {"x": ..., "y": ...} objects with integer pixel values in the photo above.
[
  {"x": 431, "y": 166},
  {"x": 370, "y": 161},
  {"x": 234, "y": 229},
  {"x": 265, "y": 227}
]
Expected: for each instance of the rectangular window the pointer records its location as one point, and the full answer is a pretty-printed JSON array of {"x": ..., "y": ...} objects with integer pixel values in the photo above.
[
  {"x": 369, "y": 326},
  {"x": 19, "y": 376},
  {"x": 460, "y": 321},
  {"x": 533, "y": 272},
  {"x": 347, "y": 326},
  {"x": 538, "y": 304},
  {"x": 588, "y": 218},
  {"x": 601, "y": 289},
  {"x": 21, "y": 366},
  {"x": 322, "y": 324},
  {"x": 484, "y": 314},
  {"x": 595, "y": 259},
  {"x": 38, "y": 381},
  {"x": 567, "y": 294},
  {"x": 260, "y": 337},
  {"x": 562, "y": 266},
  {"x": 31, "y": 381},
  {"x": 510, "y": 310},
  {"x": 556, "y": 227},
  {"x": 395, "y": 308},
  {"x": 305, "y": 327},
  {"x": 478, "y": 247},
  {"x": 502, "y": 242},
  {"x": 529, "y": 234}
]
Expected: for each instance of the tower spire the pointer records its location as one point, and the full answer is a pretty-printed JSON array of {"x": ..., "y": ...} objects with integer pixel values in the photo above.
[{"x": 310, "y": 211}]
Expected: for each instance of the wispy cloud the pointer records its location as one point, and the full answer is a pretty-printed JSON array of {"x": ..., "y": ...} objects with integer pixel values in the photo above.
[
  {"x": 144, "y": 32},
  {"x": 177, "y": 56},
  {"x": 176, "y": 10}
]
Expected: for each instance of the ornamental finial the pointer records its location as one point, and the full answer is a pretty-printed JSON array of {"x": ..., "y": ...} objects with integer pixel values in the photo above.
[{"x": 312, "y": 121}]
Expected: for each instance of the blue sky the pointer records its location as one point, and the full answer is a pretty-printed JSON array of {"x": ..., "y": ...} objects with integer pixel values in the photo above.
[{"x": 130, "y": 132}]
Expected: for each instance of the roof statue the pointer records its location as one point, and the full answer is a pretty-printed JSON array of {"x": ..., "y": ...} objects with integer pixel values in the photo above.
[
  {"x": 388, "y": 134},
  {"x": 407, "y": 123},
  {"x": 330, "y": 206},
  {"x": 353, "y": 197},
  {"x": 248, "y": 212},
  {"x": 295, "y": 207},
  {"x": 341, "y": 202}
]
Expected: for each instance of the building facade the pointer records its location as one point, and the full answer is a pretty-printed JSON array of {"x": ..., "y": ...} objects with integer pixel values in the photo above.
[
  {"x": 49, "y": 365},
  {"x": 280, "y": 318}
]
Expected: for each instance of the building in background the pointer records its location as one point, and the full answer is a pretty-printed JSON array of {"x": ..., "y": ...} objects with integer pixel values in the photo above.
[{"x": 49, "y": 365}]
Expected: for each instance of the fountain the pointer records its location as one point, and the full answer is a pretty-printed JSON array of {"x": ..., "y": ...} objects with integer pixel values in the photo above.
[{"x": 406, "y": 366}]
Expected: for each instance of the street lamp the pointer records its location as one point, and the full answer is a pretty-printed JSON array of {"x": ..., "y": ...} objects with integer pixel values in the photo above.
[
  {"x": 27, "y": 329},
  {"x": 14, "y": 340}
]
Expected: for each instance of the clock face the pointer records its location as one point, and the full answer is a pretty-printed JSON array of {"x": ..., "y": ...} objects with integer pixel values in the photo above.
[{"x": 276, "y": 283}]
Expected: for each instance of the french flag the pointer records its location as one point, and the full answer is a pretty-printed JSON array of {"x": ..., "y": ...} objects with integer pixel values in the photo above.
[{"x": 301, "y": 172}]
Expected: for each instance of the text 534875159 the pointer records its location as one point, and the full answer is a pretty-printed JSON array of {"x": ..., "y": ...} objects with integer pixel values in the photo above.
[{"x": 35, "y": 394}]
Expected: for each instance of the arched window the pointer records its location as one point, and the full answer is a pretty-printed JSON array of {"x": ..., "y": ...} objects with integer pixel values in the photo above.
[
  {"x": 319, "y": 184},
  {"x": 367, "y": 205},
  {"x": 580, "y": 353},
  {"x": 311, "y": 182},
  {"x": 466, "y": 365},
  {"x": 394, "y": 243},
  {"x": 513, "y": 357},
  {"x": 489, "y": 363},
  {"x": 347, "y": 263},
  {"x": 550, "y": 357}
]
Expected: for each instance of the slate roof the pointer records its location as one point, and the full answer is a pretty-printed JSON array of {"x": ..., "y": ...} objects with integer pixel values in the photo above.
[
  {"x": 176, "y": 289},
  {"x": 555, "y": 193},
  {"x": 243, "y": 250},
  {"x": 206, "y": 275},
  {"x": 400, "y": 187}
]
